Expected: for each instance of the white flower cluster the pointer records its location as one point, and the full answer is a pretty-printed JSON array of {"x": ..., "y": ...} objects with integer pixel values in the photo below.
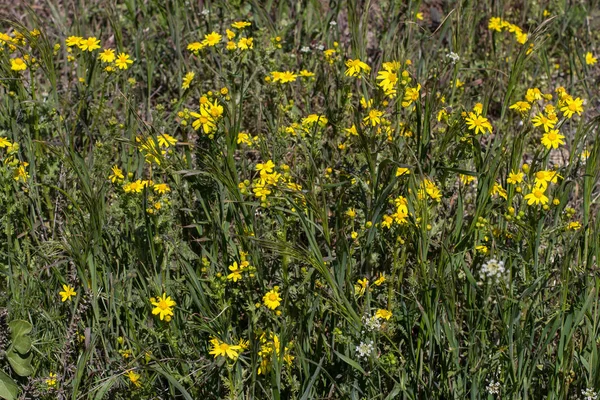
[
  {"x": 372, "y": 323},
  {"x": 589, "y": 394},
  {"x": 455, "y": 57},
  {"x": 364, "y": 350},
  {"x": 493, "y": 387},
  {"x": 492, "y": 270}
]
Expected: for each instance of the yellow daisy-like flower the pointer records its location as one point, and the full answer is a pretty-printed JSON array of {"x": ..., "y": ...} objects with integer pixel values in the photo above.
[
  {"x": 211, "y": 39},
  {"x": 17, "y": 64},
  {"x": 163, "y": 307},
  {"x": 123, "y": 60},
  {"x": 537, "y": 196},
  {"x": 223, "y": 349},
  {"x": 236, "y": 272},
  {"x": 306, "y": 74},
  {"x": 107, "y": 56},
  {"x": 553, "y": 139},
  {"x": 195, "y": 46},
  {"x": 373, "y": 118},
  {"x": 514, "y": 178},
  {"x": 402, "y": 171},
  {"x": 4, "y": 142},
  {"x": 187, "y": 80},
  {"x": 466, "y": 179},
  {"x": 314, "y": 118},
  {"x": 383, "y": 314},
  {"x": 389, "y": 79},
  {"x": 265, "y": 168},
  {"x": 67, "y": 293},
  {"x": 379, "y": 281},
  {"x": 478, "y": 123},
  {"x": 117, "y": 174},
  {"x": 245, "y": 43},
  {"x": 240, "y": 24},
  {"x": 165, "y": 140},
  {"x": 272, "y": 299},
  {"x": 495, "y": 24},
  {"x": 134, "y": 378},
  {"x": 204, "y": 120},
  {"x": 411, "y": 95},
  {"x": 590, "y": 59},
  {"x": 361, "y": 286},
  {"x": 283, "y": 77},
  {"x": 355, "y": 67},
  {"x": 521, "y": 106},
  {"x": 73, "y": 41},
  {"x": 161, "y": 188},
  {"x": 51, "y": 380},
  {"x": 543, "y": 121},
  {"x": 572, "y": 106},
  {"x": 89, "y": 44}
]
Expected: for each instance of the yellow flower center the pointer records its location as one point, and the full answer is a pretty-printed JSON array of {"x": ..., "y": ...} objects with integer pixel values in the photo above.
[
  {"x": 224, "y": 347},
  {"x": 273, "y": 297},
  {"x": 552, "y": 136},
  {"x": 538, "y": 193},
  {"x": 163, "y": 305}
]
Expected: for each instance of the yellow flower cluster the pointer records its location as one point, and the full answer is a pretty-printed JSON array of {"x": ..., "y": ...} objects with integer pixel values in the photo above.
[
  {"x": 107, "y": 56},
  {"x": 11, "y": 160},
  {"x": 389, "y": 79},
  {"x": 270, "y": 344},
  {"x": 214, "y": 38},
  {"x": 546, "y": 114},
  {"x": 498, "y": 24},
  {"x": 208, "y": 116}
]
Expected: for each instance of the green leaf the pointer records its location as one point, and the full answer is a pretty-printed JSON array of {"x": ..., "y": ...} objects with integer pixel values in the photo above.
[
  {"x": 19, "y": 328},
  {"x": 173, "y": 381},
  {"x": 100, "y": 394},
  {"x": 350, "y": 362},
  {"x": 8, "y": 388},
  {"x": 22, "y": 344},
  {"x": 21, "y": 366}
]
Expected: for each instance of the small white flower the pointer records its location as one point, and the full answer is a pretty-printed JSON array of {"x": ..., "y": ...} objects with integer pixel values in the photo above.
[
  {"x": 333, "y": 23},
  {"x": 455, "y": 57},
  {"x": 364, "y": 350},
  {"x": 371, "y": 323},
  {"x": 205, "y": 12},
  {"x": 589, "y": 394},
  {"x": 493, "y": 387},
  {"x": 492, "y": 270},
  {"x": 305, "y": 49},
  {"x": 320, "y": 47}
]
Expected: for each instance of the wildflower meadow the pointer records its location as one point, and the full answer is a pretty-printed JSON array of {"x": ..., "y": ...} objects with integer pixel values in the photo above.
[{"x": 309, "y": 199}]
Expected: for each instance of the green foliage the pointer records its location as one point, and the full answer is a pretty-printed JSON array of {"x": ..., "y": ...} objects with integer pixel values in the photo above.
[{"x": 352, "y": 204}]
